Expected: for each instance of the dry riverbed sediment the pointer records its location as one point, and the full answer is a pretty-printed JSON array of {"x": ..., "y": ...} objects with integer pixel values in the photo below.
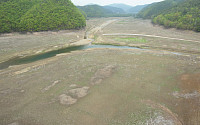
[{"x": 105, "y": 86}]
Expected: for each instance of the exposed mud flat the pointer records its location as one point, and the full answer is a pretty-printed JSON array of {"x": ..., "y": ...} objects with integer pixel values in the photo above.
[
  {"x": 190, "y": 82},
  {"x": 91, "y": 85},
  {"x": 14, "y": 44},
  {"x": 50, "y": 86},
  {"x": 189, "y": 97},
  {"x": 156, "y": 37},
  {"x": 107, "y": 86}
]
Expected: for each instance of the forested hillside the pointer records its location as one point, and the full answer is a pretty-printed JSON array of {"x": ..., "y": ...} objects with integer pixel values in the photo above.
[
  {"x": 181, "y": 14},
  {"x": 155, "y": 9},
  {"x": 95, "y": 11},
  {"x": 186, "y": 15},
  {"x": 121, "y": 6},
  {"x": 114, "y": 9},
  {"x": 39, "y": 15},
  {"x": 102, "y": 11}
]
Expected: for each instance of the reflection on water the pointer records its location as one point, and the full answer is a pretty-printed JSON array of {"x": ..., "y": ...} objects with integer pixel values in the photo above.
[{"x": 23, "y": 60}]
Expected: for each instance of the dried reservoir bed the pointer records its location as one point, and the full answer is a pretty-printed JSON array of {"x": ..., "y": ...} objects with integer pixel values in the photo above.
[{"x": 104, "y": 86}]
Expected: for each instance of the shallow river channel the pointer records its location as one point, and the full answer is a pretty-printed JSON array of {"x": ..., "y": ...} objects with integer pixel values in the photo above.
[{"x": 28, "y": 59}]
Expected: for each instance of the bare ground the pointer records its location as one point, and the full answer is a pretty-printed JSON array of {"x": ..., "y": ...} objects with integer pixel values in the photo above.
[
  {"x": 107, "y": 86},
  {"x": 14, "y": 44},
  {"x": 156, "y": 36}
]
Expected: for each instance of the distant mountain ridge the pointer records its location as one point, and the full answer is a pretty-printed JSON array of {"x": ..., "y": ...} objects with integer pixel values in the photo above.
[
  {"x": 122, "y": 6},
  {"x": 102, "y": 11},
  {"x": 114, "y": 9},
  {"x": 95, "y": 11},
  {"x": 137, "y": 9}
]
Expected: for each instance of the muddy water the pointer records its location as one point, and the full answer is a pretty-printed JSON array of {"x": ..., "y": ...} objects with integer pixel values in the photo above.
[{"x": 28, "y": 59}]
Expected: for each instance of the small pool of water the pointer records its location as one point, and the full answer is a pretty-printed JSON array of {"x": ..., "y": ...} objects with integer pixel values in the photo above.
[{"x": 23, "y": 60}]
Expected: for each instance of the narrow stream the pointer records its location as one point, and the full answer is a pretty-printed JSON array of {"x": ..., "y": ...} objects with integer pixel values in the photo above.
[{"x": 28, "y": 59}]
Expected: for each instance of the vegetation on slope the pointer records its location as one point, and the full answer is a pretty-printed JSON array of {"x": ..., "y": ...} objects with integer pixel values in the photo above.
[
  {"x": 95, "y": 11},
  {"x": 121, "y": 6},
  {"x": 155, "y": 9},
  {"x": 39, "y": 15},
  {"x": 11, "y": 12},
  {"x": 114, "y": 9},
  {"x": 186, "y": 15},
  {"x": 136, "y": 9},
  {"x": 181, "y": 14}
]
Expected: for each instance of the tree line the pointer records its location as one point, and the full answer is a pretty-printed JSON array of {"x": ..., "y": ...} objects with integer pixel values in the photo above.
[{"x": 181, "y": 14}]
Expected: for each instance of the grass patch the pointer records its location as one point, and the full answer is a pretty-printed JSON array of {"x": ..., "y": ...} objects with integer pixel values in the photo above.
[
  {"x": 122, "y": 22},
  {"x": 95, "y": 37},
  {"x": 137, "y": 118},
  {"x": 116, "y": 44},
  {"x": 132, "y": 39},
  {"x": 112, "y": 44},
  {"x": 176, "y": 89}
]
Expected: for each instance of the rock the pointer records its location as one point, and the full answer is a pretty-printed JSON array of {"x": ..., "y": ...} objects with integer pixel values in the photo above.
[
  {"x": 102, "y": 74},
  {"x": 23, "y": 71},
  {"x": 79, "y": 92},
  {"x": 160, "y": 120},
  {"x": 67, "y": 100},
  {"x": 73, "y": 85},
  {"x": 50, "y": 86},
  {"x": 14, "y": 123},
  {"x": 195, "y": 94},
  {"x": 22, "y": 91}
]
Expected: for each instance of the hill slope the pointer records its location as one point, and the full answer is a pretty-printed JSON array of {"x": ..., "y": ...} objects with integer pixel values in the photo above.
[
  {"x": 185, "y": 15},
  {"x": 114, "y": 9},
  {"x": 155, "y": 9},
  {"x": 95, "y": 11},
  {"x": 137, "y": 9},
  {"x": 39, "y": 15},
  {"x": 102, "y": 11},
  {"x": 122, "y": 6},
  {"x": 11, "y": 12}
]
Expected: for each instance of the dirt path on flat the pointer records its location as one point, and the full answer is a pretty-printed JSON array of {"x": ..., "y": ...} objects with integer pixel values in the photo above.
[
  {"x": 154, "y": 36},
  {"x": 93, "y": 31}
]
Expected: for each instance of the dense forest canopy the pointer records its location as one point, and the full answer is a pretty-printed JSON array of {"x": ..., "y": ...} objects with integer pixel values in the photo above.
[
  {"x": 39, "y": 15},
  {"x": 186, "y": 15},
  {"x": 155, "y": 9},
  {"x": 181, "y": 14}
]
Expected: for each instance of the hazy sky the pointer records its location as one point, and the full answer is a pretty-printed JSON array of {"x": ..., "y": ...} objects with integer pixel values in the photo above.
[{"x": 106, "y": 2}]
